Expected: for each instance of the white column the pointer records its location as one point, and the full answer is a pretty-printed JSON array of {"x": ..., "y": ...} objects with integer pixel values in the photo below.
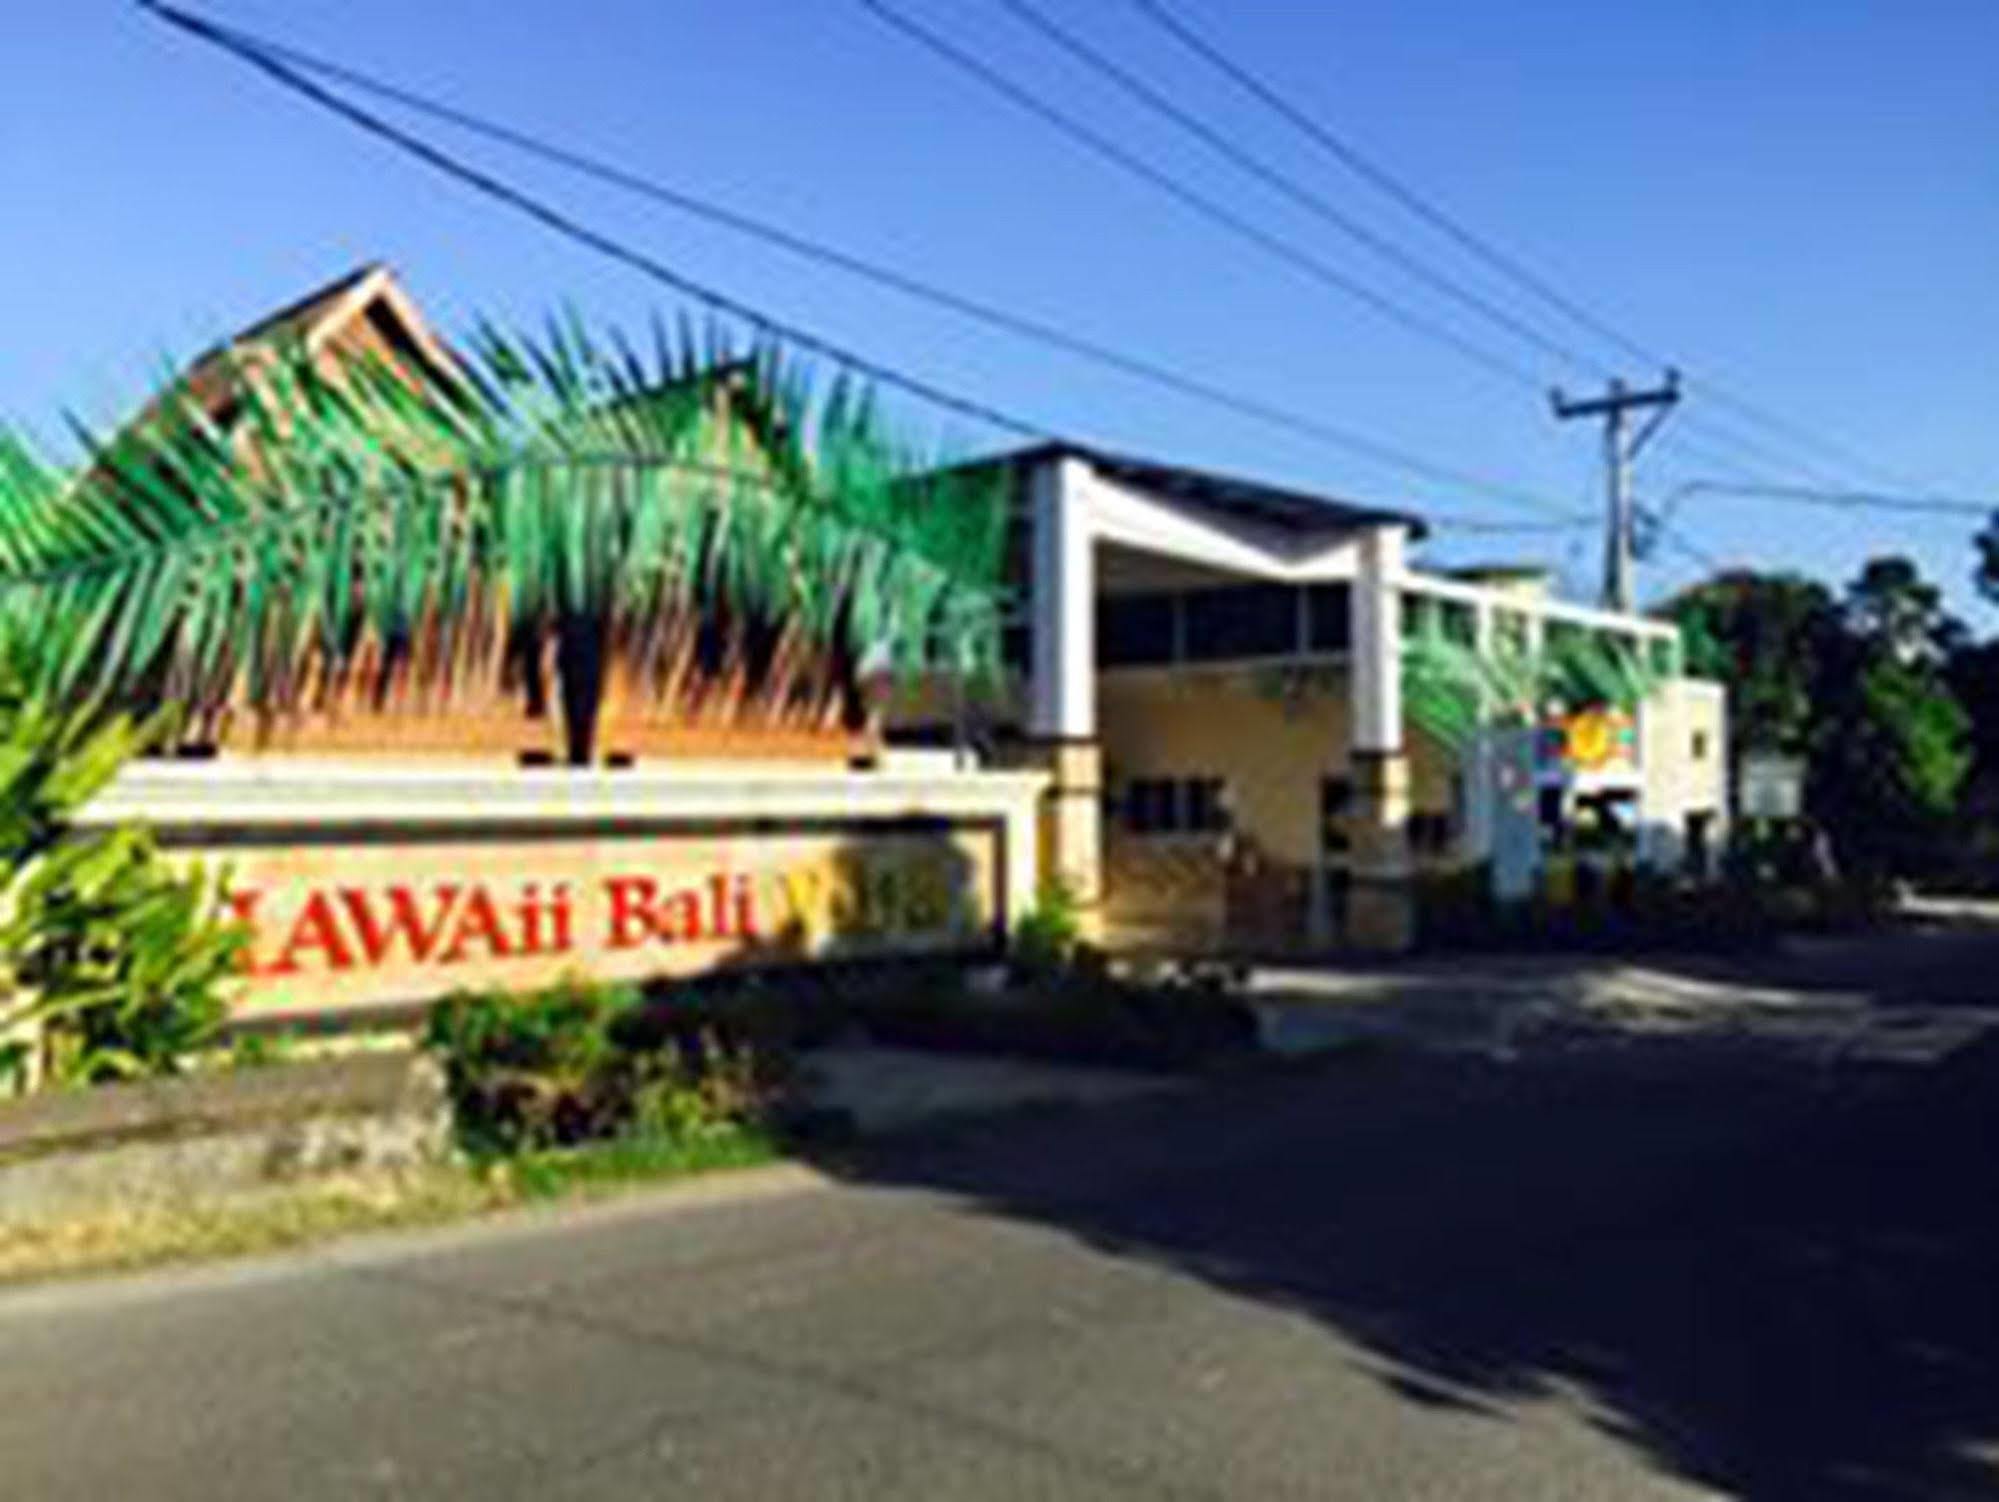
[
  {"x": 1062, "y": 599},
  {"x": 1375, "y": 682},
  {"x": 1480, "y": 767}
]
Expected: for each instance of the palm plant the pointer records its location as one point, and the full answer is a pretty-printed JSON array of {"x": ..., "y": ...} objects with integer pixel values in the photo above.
[{"x": 335, "y": 530}]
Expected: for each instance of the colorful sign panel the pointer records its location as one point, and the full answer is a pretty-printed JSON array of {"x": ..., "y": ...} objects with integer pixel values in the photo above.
[
  {"x": 344, "y": 922},
  {"x": 1598, "y": 739}
]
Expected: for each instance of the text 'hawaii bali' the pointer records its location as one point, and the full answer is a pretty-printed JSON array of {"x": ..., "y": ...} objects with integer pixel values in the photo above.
[{"x": 346, "y": 925}]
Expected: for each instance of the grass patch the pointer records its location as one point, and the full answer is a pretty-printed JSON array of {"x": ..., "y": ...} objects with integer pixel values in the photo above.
[
  {"x": 325, "y": 1209},
  {"x": 599, "y": 1167}
]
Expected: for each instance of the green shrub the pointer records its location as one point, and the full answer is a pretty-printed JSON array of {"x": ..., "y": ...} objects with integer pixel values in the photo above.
[
  {"x": 1045, "y": 938},
  {"x": 583, "y": 1062},
  {"x": 126, "y": 959}
]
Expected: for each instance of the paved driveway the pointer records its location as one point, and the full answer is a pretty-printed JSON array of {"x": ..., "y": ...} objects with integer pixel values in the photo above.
[{"x": 1685, "y": 1267}]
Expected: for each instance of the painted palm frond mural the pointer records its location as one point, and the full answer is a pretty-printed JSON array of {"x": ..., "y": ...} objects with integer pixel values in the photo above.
[
  {"x": 1454, "y": 691},
  {"x": 316, "y": 530}
]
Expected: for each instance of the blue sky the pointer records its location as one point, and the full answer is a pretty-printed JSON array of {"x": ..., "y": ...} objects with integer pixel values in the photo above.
[{"x": 1801, "y": 201}]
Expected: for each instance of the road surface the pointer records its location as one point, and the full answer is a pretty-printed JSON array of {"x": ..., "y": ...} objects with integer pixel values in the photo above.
[{"x": 1670, "y": 1269}]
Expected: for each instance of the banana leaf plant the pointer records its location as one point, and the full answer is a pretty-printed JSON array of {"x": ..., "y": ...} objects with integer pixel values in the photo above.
[{"x": 557, "y": 506}]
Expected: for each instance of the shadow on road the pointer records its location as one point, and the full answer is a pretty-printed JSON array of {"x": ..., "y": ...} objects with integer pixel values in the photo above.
[{"x": 1771, "y": 1280}]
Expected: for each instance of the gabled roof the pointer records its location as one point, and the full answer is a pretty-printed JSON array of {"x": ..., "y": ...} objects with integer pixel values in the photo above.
[
  {"x": 1295, "y": 511},
  {"x": 369, "y": 293}
]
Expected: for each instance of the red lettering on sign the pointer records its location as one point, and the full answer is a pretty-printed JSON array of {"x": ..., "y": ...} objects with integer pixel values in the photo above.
[
  {"x": 559, "y": 910},
  {"x": 678, "y": 917},
  {"x": 478, "y": 920},
  {"x": 316, "y": 928},
  {"x": 404, "y": 920},
  {"x": 631, "y": 909},
  {"x": 242, "y": 907}
]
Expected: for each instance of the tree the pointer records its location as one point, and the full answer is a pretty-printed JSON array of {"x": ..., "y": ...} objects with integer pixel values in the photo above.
[
  {"x": 1856, "y": 684},
  {"x": 1892, "y": 743},
  {"x": 1896, "y": 612},
  {"x": 1765, "y": 636}
]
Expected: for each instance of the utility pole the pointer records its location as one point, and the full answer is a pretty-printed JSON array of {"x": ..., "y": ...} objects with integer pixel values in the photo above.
[{"x": 1618, "y": 452}]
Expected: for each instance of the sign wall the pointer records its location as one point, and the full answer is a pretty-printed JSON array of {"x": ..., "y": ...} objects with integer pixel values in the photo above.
[{"x": 344, "y": 921}]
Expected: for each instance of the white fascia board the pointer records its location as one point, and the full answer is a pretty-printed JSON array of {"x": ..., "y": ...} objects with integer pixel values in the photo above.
[
  {"x": 288, "y": 791},
  {"x": 1557, "y": 610},
  {"x": 1131, "y": 518}
]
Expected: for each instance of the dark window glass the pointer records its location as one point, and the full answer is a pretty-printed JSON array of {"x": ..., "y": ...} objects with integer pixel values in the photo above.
[
  {"x": 1133, "y": 630},
  {"x": 1335, "y": 797},
  {"x": 1430, "y": 833},
  {"x": 1176, "y": 805},
  {"x": 1204, "y": 805},
  {"x": 1460, "y": 623},
  {"x": 1150, "y": 805},
  {"x": 1017, "y": 647},
  {"x": 1249, "y": 620},
  {"x": 1327, "y": 624}
]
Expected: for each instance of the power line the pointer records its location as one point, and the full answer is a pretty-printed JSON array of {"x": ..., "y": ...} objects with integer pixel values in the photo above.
[
  {"x": 1216, "y": 213},
  {"x": 1357, "y": 162},
  {"x": 282, "y": 62},
  {"x": 1291, "y": 188},
  {"x": 1269, "y": 242},
  {"x": 1844, "y": 500},
  {"x": 248, "y": 50}
]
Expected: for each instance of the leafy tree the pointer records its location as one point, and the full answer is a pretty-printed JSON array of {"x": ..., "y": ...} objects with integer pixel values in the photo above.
[
  {"x": 1894, "y": 611},
  {"x": 1893, "y": 743},
  {"x": 1765, "y": 636},
  {"x": 1856, "y": 684}
]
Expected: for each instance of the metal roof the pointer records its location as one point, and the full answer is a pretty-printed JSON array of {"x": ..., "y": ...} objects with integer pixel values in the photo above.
[{"x": 1228, "y": 495}]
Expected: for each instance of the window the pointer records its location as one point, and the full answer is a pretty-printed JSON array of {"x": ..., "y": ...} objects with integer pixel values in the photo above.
[
  {"x": 1204, "y": 810},
  {"x": 1135, "y": 630},
  {"x": 1328, "y": 625},
  {"x": 1431, "y": 833},
  {"x": 1700, "y": 745},
  {"x": 1017, "y": 648},
  {"x": 1335, "y": 798},
  {"x": 1149, "y": 805},
  {"x": 1249, "y": 620},
  {"x": 1175, "y": 805}
]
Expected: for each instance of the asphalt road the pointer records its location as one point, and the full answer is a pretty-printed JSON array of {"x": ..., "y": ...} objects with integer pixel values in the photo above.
[{"x": 1667, "y": 1270}]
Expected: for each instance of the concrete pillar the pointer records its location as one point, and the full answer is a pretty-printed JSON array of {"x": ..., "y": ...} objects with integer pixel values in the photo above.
[
  {"x": 1062, "y": 712},
  {"x": 1062, "y": 602},
  {"x": 1480, "y": 771},
  {"x": 1381, "y": 903}
]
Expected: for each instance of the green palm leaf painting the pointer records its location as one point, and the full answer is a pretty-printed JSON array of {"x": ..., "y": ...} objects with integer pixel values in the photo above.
[
  {"x": 552, "y": 511},
  {"x": 1454, "y": 691}
]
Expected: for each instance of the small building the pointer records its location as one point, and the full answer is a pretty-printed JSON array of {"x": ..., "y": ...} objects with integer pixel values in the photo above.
[{"x": 1213, "y": 671}]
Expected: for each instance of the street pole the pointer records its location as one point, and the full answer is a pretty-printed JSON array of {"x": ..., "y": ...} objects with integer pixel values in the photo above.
[{"x": 1618, "y": 452}]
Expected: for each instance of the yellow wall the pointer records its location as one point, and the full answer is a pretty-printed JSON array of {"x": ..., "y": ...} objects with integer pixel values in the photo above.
[{"x": 1234, "y": 723}]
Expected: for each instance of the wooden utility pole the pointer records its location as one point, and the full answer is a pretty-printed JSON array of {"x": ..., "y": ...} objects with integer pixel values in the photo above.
[{"x": 1618, "y": 452}]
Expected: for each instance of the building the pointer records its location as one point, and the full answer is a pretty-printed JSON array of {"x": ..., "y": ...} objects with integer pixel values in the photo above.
[
  {"x": 1212, "y": 670},
  {"x": 492, "y": 667}
]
